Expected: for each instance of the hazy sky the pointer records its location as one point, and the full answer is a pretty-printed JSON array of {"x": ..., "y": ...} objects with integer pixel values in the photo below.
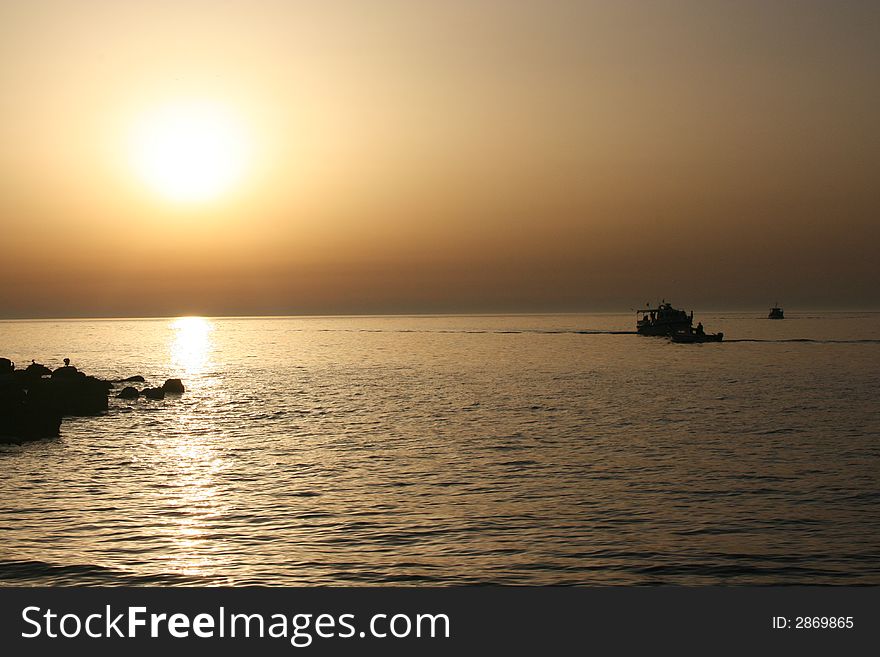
[{"x": 416, "y": 156}]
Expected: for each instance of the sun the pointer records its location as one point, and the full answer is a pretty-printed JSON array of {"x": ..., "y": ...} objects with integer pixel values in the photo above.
[{"x": 190, "y": 151}]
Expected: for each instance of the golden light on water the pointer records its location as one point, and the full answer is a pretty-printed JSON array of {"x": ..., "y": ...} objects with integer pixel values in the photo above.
[
  {"x": 194, "y": 465},
  {"x": 191, "y": 344},
  {"x": 189, "y": 458}
]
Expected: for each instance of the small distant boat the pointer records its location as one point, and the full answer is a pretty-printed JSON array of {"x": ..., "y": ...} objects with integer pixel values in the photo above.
[
  {"x": 663, "y": 320},
  {"x": 776, "y": 313},
  {"x": 694, "y": 338}
]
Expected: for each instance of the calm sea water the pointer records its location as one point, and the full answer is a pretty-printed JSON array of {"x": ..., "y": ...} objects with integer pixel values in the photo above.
[{"x": 454, "y": 450}]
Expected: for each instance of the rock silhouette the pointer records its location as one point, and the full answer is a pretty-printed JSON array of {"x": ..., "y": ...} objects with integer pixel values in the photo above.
[
  {"x": 129, "y": 392},
  {"x": 74, "y": 395},
  {"x": 36, "y": 369},
  {"x": 174, "y": 386},
  {"x": 153, "y": 393},
  {"x": 34, "y": 400},
  {"x": 66, "y": 371}
]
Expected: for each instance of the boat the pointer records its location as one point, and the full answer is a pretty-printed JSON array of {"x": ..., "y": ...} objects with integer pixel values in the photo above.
[
  {"x": 685, "y": 337},
  {"x": 776, "y": 313},
  {"x": 663, "y": 320}
]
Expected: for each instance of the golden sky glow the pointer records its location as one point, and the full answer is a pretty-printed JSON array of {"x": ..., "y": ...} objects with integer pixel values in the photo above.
[
  {"x": 190, "y": 151},
  {"x": 164, "y": 158}
]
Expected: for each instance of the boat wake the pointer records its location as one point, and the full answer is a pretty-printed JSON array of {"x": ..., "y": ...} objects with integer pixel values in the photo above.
[
  {"x": 808, "y": 340},
  {"x": 592, "y": 332}
]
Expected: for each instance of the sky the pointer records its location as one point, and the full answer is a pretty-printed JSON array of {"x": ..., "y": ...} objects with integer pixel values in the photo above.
[{"x": 343, "y": 157}]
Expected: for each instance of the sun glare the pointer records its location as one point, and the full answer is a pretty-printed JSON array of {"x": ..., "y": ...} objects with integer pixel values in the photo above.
[
  {"x": 191, "y": 343},
  {"x": 190, "y": 152}
]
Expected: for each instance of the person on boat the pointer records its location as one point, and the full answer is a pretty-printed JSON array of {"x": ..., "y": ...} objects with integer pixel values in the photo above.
[{"x": 700, "y": 330}]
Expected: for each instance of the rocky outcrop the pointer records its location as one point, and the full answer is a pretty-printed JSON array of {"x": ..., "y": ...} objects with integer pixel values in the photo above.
[
  {"x": 70, "y": 395},
  {"x": 20, "y": 420},
  {"x": 33, "y": 400},
  {"x": 66, "y": 372},
  {"x": 36, "y": 369},
  {"x": 129, "y": 392},
  {"x": 174, "y": 386},
  {"x": 153, "y": 393}
]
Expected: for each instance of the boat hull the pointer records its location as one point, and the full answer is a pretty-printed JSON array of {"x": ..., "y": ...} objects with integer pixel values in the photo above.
[{"x": 662, "y": 329}]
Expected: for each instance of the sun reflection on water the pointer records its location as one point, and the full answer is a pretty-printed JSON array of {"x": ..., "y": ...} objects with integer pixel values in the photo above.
[
  {"x": 191, "y": 345},
  {"x": 189, "y": 455},
  {"x": 192, "y": 464}
]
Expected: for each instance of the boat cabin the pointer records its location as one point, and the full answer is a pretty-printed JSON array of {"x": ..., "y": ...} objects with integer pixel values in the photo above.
[{"x": 663, "y": 320}]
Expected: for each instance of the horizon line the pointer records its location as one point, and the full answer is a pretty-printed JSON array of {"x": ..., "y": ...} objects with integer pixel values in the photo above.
[{"x": 408, "y": 314}]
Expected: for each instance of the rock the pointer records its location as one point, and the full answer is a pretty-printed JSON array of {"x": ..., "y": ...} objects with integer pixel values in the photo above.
[
  {"x": 22, "y": 417},
  {"x": 128, "y": 392},
  {"x": 23, "y": 423},
  {"x": 66, "y": 371},
  {"x": 69, "y": 395},
  {"x": 137, "y": 378},
  {"x": 36, "y": 369},
  {"x": 153, "y": 393},
  {"x": 173, "y": 386}
]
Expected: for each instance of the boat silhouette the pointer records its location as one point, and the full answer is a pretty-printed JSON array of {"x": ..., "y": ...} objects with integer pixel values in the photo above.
[
  {"x": 685, "y": 337},
  {"x": 663, "y": 320}
]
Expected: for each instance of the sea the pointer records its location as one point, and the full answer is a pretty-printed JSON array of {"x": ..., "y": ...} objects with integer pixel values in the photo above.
[{"x": 454, "y": 450}]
